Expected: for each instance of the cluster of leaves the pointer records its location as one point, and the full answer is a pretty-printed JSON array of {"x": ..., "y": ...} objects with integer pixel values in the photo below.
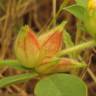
[{"x": 83, "y": 12}]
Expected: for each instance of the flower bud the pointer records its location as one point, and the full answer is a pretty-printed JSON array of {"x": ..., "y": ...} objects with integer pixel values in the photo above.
[
  {"x": 51, "y": 41},
  {"x": 92, "y": 5},
  {"x": 59, "y": 65},
  {"x": 27, "y": 47}
]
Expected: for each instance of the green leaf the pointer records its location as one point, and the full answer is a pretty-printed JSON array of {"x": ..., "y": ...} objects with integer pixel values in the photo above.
[
  {"x": 68, "y": 42},
  {"x": 82, "y": 2},
  {"x": 12, "y": 64},
  {"x": 90, "y": 25},
  {"x": 61, "y": 85},
  {"x": 78, "y": 11},
  {"x": 16, "y": 79}
]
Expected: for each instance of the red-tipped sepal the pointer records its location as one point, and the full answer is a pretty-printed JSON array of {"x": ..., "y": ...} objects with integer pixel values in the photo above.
[{"x": 27, "y": 47}]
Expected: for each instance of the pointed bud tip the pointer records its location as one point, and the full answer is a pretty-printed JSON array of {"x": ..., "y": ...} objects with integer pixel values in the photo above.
[
  {"x": 78, "y": 64},
  {"x": 61, "y": 26},
  {"x": 24, "y": 29}
]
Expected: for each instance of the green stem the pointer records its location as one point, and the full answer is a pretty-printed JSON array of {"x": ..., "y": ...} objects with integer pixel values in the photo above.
[
  {"x": 2, "y": 62},
  {"x": 54, "y": 12},
  {"x": 11, "y": 63},
  {"x": 64, "y": 3},
  {"x": 76, "y": 48}
]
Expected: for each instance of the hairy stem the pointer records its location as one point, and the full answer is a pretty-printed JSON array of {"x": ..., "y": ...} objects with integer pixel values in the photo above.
[{"x": 79, "y": 47}]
